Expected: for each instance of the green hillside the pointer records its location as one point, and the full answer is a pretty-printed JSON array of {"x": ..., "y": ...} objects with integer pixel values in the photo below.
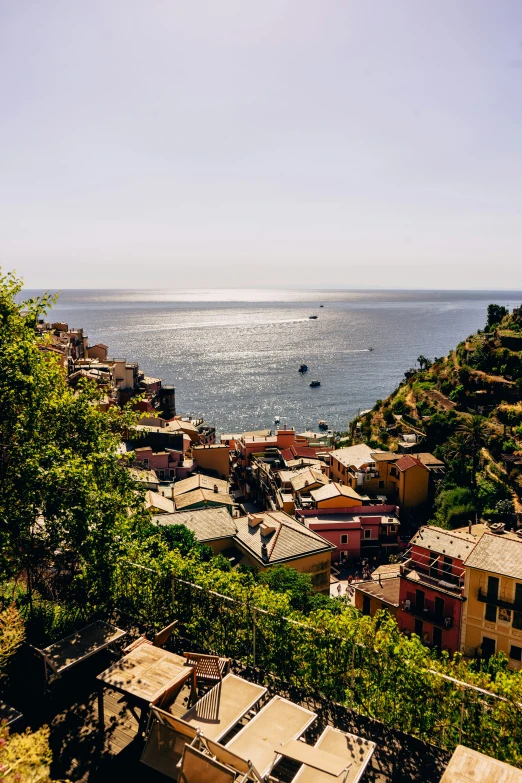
[{"x": 466, "y": 408}]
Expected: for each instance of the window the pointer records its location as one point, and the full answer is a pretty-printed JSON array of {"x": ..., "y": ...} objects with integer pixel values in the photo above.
[
  {"x": 393, "y": 471},
  {"x": 344, "y": 538},
  {"x": 447, "y": 565},
  {"x": 488, "y": 647},
  {"x": 162, "y": 474},
  {"x": 418, "y": 627},
  {"x": 145, "y": 461},
  {"x": 491, "y": 613},
  {"x": 518, "y": 595},
  {"x": 367, "y": 533},
  {"x": 366, "y": 604},
  {"x": 172, "y": 473},
  {"x": 493, "y": 587},
  {"x": 393, "y": 528},
  {"x": 515, "y": 653},
  {"x": 517, "y": 621}
]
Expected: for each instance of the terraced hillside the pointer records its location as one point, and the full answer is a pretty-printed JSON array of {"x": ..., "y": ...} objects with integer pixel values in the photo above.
[{"x": 467, "y": 409}]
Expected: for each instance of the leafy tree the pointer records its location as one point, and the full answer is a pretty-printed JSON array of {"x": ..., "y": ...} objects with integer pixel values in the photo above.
[
  {"x": 63, "y": 484},
  {"x": 399, "y": 406},
  {"x": 26, "y": 757},
  {"x": 181, "y": 538},
  {"x": 283, "y": 579},
  {"x": 495, "y": 315},
  {"x": 475, "y": 434},
  {"x": 456, "y": 453},
  {"x": 12, "y": 634},
  {"x": 454, "y": 507},
  {"x": 424, "y": 363}
]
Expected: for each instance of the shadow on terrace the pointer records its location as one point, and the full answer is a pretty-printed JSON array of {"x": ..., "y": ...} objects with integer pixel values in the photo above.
[{"x": 69, "y": 703}]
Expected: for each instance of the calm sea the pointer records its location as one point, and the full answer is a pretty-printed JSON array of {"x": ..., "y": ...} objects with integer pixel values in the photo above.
[{"x": 234, "y": 355}]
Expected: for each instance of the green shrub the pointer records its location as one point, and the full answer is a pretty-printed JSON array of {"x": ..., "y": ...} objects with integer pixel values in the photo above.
[
  {"x": 399, "y": 406},
  {"x": 454, "y": 507}
]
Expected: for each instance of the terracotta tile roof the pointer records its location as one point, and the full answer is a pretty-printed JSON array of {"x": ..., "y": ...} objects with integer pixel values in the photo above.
[
  {"x": 407, "y": 462},
  {"x": 445, "y": 542},
  {"x": 498, "y": 554},
  {"x": 304, "y": 451},
  {"x": 199, "y": 481},
  {"x": 354, "y": 456},
  {"x": 387, "y": 590},
  {"x": 202, "y": 496},
  {"x": 290, "y": 540},
  {"x": 158, "y": 502},
  {"x": 207, "y": 524},
  {"x": 308, "y": 477},
  {"x": 333, "y": 491},
  {"x": 299, "y": 452}
]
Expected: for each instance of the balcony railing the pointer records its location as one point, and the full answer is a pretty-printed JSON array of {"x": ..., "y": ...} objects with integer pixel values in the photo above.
[
  {"x": 432, "y": 578},
  {"x": 499, "y": 600},
  {"x": 442, "y": 621}
]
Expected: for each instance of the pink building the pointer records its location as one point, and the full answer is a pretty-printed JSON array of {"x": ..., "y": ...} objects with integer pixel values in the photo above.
[
  {"x": 432, "y": 586},
  {"x": 356, "y": 532},
  {"x": 166, "y": 463}
]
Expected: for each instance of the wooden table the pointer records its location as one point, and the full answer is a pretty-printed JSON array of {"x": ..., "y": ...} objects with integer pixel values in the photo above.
[
  {"x": 79, "y": 646},
  {"x": 470, "y": 766},
  {"x": 146, "y": 675}
]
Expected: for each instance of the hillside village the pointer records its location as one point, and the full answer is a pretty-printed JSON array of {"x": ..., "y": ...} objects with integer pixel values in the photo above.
[
  {"x": 385, "y": 519},
  {"x": 403, "y": 532}
]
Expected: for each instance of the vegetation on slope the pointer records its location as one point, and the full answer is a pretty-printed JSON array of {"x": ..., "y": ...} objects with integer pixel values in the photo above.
[
  {"x": 467, "y": 409},
  {"x": 76, "y": 543}
]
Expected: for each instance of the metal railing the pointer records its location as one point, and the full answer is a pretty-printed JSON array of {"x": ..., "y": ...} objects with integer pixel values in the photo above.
[{"x": 379, "y": 683}]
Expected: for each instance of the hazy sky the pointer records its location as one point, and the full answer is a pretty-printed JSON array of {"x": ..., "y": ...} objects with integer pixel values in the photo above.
[{"x": 231, "y": 142}]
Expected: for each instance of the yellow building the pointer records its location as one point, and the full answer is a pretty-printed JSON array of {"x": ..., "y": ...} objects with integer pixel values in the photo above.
[
  {"x": 335, "y": 496},
  {"x": 412, "y": 481},
  {"x": 381, "y": 592},
  {"x": 214, "y": 457},
  {"x": 403, "y": 478},
  {"x": 492, "y": 614},
  {"x": 354, "y": 466},
  {"x": 262, "y": 540}
]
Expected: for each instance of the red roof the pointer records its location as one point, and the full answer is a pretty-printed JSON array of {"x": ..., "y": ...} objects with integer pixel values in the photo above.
[
  {"x": 304, "y": 451},
  {"x": 407, "y": 462},
  {"x": 298, "y": 452}
]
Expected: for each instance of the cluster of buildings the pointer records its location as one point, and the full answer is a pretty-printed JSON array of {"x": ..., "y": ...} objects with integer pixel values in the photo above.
[
  {"x": 457, "y": 590},
  {"x": 296, "y": 500},
  {"x": 268, "y": 498}
]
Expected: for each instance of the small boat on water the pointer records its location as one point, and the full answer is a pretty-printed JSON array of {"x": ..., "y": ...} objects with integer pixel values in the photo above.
[
  {"x": 303, "y": 368},
  {"x": 370, "y": 349},
  {"x": 313, "y": 317},
  {"x": 321, "y": 305},
  {"x": 315, "y": 384},
  {"x": 323, "y": 425},
  {"x": 276, "y": 420}
]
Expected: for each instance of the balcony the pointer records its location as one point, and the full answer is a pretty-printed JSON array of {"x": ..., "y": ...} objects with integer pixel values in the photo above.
[
  {"x": 441, "y": 621},
  {"x": 496, "y": 600},
  {"x": 430, "y": 577}
]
